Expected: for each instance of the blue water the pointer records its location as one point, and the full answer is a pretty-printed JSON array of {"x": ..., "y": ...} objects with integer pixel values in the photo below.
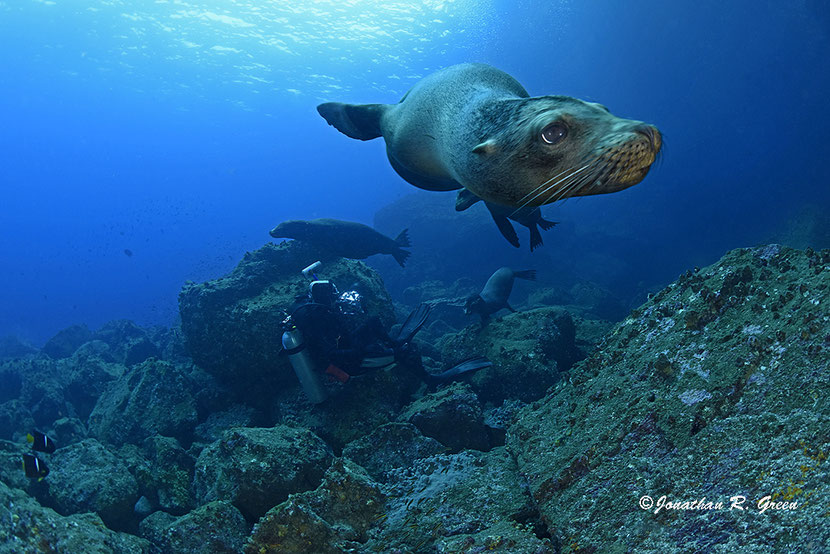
[{"x": 182, "y": 131}]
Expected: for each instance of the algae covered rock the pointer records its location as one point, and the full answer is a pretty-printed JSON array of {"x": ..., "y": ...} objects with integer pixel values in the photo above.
[
  {"x": 233, "y": 326},
  {"x": 528, "y": 350},
  {"x": 153, "y": 397},
  {"x": 215, "y": 528},
  {"x": 335, "y": 517},
  {"x": 26, "y": 526},
  {"x": 86, "y": 477},
  {"x": 66, "y": 341},
  {"x": 451, "y": 495},
  {"x": 257, "y": 468},
  {"x": 452, "y": 416},
  {"x": 391, "y": 446},
  {"x": 715, "y": 388}
]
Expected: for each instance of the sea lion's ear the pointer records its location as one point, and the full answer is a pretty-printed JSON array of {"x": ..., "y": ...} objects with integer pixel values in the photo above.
[{"x": 485, "y": 148}]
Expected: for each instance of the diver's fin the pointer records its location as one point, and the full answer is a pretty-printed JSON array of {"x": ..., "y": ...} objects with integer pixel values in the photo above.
[
  {"x": 403, "y": 239},
  {"x": 401, "y": 255},
  {"x": 545, "y": 224},
  {"x": 413, "y": 323},
  {"x": 507, "y": 229},
  {"x": 535, "y": 237},
  {"x": 465, "y": 199},
  {"x": 358, "y": 121},
  {"x": 467, "y": 366},
  {"x": 526, "y": 274}
]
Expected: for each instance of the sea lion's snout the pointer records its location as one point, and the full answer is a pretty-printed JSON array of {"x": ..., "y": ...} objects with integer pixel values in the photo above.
[{"x": 652, "y": 134}]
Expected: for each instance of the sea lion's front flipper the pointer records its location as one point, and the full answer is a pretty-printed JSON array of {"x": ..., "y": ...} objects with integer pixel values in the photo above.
[
  {"x": 358, "y": 121},
  {"x": 509, "y": 307},
  {"x": 465, "y": 199},
  {"x": 506, "y": 229}
]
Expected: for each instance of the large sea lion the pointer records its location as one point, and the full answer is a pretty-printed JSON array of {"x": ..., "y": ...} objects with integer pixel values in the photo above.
[
  {"x": 346, "y": 239},
  {"x": 474, "y": 126}
]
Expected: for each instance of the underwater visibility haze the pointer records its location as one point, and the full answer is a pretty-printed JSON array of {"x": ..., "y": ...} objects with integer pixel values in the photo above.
[{"x": 463, "y": 375}]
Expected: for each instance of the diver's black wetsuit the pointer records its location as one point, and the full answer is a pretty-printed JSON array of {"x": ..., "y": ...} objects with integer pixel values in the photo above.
[{"x": 346, "y": 343}]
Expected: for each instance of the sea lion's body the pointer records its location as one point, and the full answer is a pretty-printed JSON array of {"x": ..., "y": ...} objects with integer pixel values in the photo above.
[
  {"x": 476, "y": 127},
  {"x": 346, "y": 239},
  {"x": 496, "y": 292}
]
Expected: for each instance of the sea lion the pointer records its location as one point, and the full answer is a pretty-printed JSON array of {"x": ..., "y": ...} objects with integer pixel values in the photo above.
[
  {"x": 530, "y": 217},
  {"x": 346, "y": 239},
  {"x": 476, "y": 127},
  {"x": 493, "y": 297}
]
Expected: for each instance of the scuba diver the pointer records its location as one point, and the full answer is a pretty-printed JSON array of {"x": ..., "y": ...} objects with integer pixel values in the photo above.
[{"x": 329, "y": 332}]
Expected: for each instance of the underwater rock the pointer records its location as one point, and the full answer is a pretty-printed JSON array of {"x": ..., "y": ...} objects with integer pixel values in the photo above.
[
  {"x": 13, "y": 347},
  {"x": 450, "y": 495},
  {"x": 66, "y": 341},
  {"x": 86, "y": 477},
  {"x": 153, "y": 397},
  {"x": 217, "y": 423},
  {"x": 452, "y": 416},
  {"x": 87, "y": 377},
  {"x": 26, "y": 526},
  {"x": 129, "y": 343},
  {"x": 165, "y": 474},
  {"x": 257, "y": 468},
  {"x": 333, "y": 518},
  {"x": 215, "y": 528},
  {"x": 391, "y": 446},
  {"x": 528, "y": 350},
  {"x": 716, "y": 387},
  {"x": 233, "y": 325},
  {"x": 354, "y": 409}
]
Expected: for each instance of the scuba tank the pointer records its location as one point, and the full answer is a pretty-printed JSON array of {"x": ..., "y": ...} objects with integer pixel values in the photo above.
[{"x": 298, "y": 355}]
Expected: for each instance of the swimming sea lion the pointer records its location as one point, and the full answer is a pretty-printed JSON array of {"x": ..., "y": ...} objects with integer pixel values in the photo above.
[
  {"x": 346, "y": 239},
  {"x": 474, "y": 126},
  {"x": 495, "y": 293},
  {"x": 530, "y": 217}
]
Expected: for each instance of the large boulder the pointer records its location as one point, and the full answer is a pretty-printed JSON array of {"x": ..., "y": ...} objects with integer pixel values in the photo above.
[
  {"x": 153, "y": 397},
  {"x": 215, "y": 528},
  {"x": 232, "y": 325},
  {"x": 26, "y": 526},
  {"x": 716, "y": 387},
  {"x": 86, "y": 477},
  {"x": 528, "y": 350},
  {"x": 257, "y": 468}
]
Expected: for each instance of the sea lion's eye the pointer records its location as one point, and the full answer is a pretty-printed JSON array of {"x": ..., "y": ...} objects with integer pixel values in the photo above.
[{"x": 554, "y": 133}]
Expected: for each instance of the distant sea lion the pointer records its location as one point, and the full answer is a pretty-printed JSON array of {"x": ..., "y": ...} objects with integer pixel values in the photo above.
[
  {"x": 530, "y": 217},
  {"x": 346, "y": 239},
  {"x": 495, "y": 293},
  {"x": 474, "y": 126}
]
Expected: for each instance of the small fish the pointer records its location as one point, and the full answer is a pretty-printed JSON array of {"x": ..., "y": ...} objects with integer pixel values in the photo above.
[
  {"x": 128, "y": 252},
  {"x": 34, "y": 467},
  {"x": 381, "y": 517},
  {"x": 40, "y": 442}
]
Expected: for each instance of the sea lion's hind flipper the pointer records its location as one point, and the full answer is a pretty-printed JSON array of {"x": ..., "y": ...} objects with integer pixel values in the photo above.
[
  {"x": 507, "y": 229},
  {"x": 402, "y": 239},
  {"x": 535, "y": 237},
  {"x": 545, "y": 224},
  {"x": 358, "y": 121},
  {"x": 526, "y": 274},
  {"x": 400, "y": 256},
  {"x": 465, "y": 199}
]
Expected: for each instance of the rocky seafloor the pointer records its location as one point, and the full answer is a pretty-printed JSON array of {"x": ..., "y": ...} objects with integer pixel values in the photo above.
[{"x": 648, "y": 435}]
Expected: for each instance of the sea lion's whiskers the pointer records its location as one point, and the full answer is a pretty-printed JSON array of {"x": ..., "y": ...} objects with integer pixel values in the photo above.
[
  {"x": 567, "y": 188},
  {"x": 523, "y": 198},
  {"x": 564, "y": 179}
]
